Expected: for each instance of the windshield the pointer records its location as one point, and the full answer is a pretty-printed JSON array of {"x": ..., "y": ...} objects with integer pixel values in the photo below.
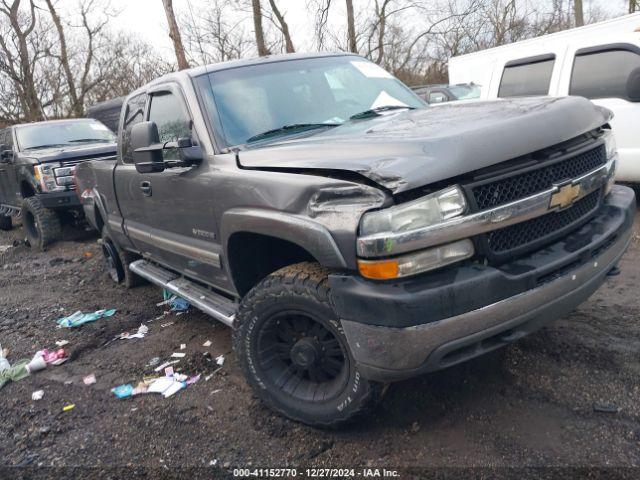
[
  {"x": 465, "y": 92},
  {"x": 60, "y": 134},
  {"x": 255, "y": 99}
]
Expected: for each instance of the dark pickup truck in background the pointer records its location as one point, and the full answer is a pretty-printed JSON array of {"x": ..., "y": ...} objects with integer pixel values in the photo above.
[
  {"x": 350, "y": 234},
  {"x": 37, "y": 165}
]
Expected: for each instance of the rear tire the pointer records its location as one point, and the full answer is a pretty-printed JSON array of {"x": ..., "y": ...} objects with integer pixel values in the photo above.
[
  {"x": 42, "y": 225},
  {"x": 293, "y": 351},
  {"x": 117, "y": 262},
  {"x": 5, "y": 222}
]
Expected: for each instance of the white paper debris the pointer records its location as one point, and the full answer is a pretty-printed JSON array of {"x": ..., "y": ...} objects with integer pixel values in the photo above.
[
  {"x": 165, "y": 365},
  {"x": 62, "y": 343},
  {"x": 220, "y": 360},
  {"x": 37, "y": 395},
  {"x": 178, "y": 355},
  {"x": 207, "y": 343},
  {"x": 183, "y": 346},
  {"x": 89, "y": 379}
]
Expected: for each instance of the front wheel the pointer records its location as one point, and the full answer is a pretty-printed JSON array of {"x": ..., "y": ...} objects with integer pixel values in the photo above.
[
  {"x": 117, "y": 262},
  {"x": 42, "y": 225},
  {"x": 293, "y": 351}
]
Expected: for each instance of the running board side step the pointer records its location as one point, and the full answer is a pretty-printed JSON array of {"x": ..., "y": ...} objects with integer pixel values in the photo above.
[{"x": 211, "y": 303}]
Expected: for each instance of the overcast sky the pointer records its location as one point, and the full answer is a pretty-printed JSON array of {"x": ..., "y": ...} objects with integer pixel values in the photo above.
[{"x": 147, "y": 19}]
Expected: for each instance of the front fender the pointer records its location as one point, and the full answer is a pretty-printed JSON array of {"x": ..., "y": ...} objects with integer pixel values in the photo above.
[{"x": 314, "y": 237}]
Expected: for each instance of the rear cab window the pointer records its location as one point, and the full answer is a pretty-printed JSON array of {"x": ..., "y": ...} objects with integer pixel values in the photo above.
[
  {"x": 527, "y": 76},
  {"x": 605, "y": 71}
]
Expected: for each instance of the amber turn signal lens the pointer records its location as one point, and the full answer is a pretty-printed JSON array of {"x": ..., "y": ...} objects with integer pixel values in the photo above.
[{"x": 379, "y": 270}]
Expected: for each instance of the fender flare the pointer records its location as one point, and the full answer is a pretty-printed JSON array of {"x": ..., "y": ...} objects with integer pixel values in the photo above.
[{"x": 314, "y": 237}]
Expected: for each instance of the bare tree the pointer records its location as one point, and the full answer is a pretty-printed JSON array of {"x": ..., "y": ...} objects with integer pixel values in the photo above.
[
  {"x": 282, "y": 25},
  {"x": 257, "y": 27},
  {"x": 351, "y": 28},
  {"x": 18, "y": 61},
  {"x": 578, "y": 13},
  {"x": 174, "y": 34},
  {"x": 215, "y": 35}
]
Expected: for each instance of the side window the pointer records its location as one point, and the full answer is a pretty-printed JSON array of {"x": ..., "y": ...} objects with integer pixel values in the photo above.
[
  {"x": 522, "y": 78},
  {"x": 604, "y": 74},
  {"x": 134, "y": 113},
  {"x": 169, "y": 114},
  {"x": 437, "y": 97}
]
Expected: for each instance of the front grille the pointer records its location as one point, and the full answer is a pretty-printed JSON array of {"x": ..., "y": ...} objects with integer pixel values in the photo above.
[
  {"x": 492, "y": 194},
  {"x": 523, "y": 234}
]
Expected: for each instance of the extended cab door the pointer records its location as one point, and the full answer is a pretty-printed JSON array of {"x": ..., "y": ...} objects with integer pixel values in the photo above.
[
  {"x": 180, "y": 207},
  {"x": 129, "y": 184}
]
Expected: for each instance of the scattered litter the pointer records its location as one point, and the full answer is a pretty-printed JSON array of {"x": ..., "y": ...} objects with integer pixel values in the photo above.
[
  {"x": 167, "y": 324},
  {"x": 179, "y": 305},
  {"x": 89, "y": 379},
  {"x": 220, "y": 360},
  {"x": 62, "y": 343},
  {"x": 168, "y": 372},
  {"x": 142, "y": 331},
  {"x": 605, "y": 408},
  {"x": 4, "y": 363},
  {"x": 50, "y": 357},
  {"x": 192, "y": 380},
  {"x": 207, "y": 343},
  {"x": 179, "y": 313},
  {"x": 216, "y": 391},
  {"x": 66, "y": 408},
  {"x": 154, "y": 361},
  {"x": 213, "y": 463},
  {"x": 208, "y": 377},
  {"x": 123, "y": 391},
  {"x": 79, "y": 318},
  {"x": 4, "y": 248},
  {"x": 165, "y": 365},
  {"x": 178, "y": 355},
  {"x": 88, "y": 254},
  {"x": 183, "y": 346},
  {"x": 37, "y": 395},
  {"x": 134, "y": 409}
]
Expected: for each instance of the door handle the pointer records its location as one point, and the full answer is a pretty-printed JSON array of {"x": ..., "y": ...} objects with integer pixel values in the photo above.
[{"x": 146, "y": 188}]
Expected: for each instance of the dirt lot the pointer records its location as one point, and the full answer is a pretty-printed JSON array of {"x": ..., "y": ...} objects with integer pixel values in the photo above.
[{"x": 531, "y": 404}]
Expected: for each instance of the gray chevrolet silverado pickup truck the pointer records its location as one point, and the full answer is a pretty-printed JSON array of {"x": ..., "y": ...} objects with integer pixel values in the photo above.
[
  {"x": 350, "y": 234},
  {"x": 37, "y": 162}
]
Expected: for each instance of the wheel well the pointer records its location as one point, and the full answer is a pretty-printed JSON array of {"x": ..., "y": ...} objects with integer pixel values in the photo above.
[
  {"x": 253, "y": 256},
  {"x": 26, "y": 190},
  {"x": 99, "y": 220}
]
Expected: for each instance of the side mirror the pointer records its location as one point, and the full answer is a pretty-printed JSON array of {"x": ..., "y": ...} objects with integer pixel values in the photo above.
[
  {"x": 633, "y": 85},
  {"x": 6, "y": 154},
  {"x": 189, "y": 153},
  {"x": 144, "y": 143}
]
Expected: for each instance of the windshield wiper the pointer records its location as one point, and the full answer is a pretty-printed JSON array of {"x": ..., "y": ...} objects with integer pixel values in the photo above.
[
  {"x": 374, "y": 112},
  {"x": 290, "y": 128},
  {"x": 89, "y": 140},
  {"x": 48, "y": 145}
]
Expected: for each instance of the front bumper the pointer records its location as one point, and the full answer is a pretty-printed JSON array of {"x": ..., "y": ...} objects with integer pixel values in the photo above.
[
  {"x": 468, "y": 311},
  {"x": 67, "y": 199}
]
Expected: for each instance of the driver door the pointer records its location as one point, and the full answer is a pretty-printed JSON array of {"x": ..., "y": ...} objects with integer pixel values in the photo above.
[{"x": 180, "y": 205}]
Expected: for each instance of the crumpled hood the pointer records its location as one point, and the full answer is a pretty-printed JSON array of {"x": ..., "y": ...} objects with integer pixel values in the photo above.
[
  {"x": 414, "y": 148},
  {"x": 72, "y": 152}
]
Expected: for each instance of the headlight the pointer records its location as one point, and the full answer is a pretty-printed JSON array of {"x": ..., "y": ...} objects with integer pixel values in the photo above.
[
  {"x": 423, "y": 212},
  {"x": 611, "y": 148},
  {"x": 610, "y": 144},
  {"x": 418, "y": 262},
  {"x": 44, "y": 175}
]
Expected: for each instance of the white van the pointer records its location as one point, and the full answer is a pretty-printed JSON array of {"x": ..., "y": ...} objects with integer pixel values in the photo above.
[{"x": 599, "y": 61}]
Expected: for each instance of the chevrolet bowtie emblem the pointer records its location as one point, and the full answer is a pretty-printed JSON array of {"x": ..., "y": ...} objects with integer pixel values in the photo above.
[{"x": 565, "y": 196}]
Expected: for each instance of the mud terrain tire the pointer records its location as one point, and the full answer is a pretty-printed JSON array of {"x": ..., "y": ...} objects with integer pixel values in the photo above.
[
  {"x": 307, "y": 373},
  {"x": 41, "y": 225}
]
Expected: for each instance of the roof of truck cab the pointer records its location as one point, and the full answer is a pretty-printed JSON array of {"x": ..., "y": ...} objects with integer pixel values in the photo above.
[
  {"x": 215, "y": 67},
  {"x": 51, "y": 122}
]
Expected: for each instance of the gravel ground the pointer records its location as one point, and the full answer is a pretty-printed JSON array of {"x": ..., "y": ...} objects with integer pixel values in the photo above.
[{"x": 527, "y": 405}]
